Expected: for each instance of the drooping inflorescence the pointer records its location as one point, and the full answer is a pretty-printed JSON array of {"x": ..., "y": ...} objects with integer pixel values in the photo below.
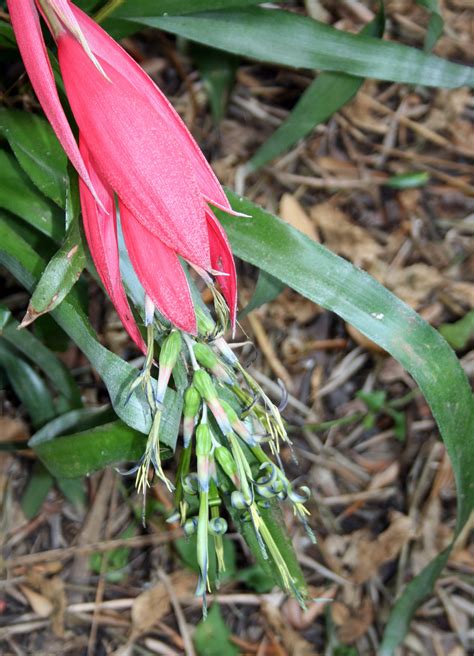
[{"x": 230, "y": 457}]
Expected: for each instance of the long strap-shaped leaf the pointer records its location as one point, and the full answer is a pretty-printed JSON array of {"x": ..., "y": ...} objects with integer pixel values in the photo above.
[
  {"x": 281, "y": 37},
  {"x": 315, "y": 272}
]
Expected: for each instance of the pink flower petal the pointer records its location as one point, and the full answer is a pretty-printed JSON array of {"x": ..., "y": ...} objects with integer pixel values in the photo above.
[
  {"x": 26, "y": 25},
  {"x": 109, "y": 50},
  {"x": 159, "y": 271},
  {"x": 135, "y": 151},
  {"x": 101, "y": 231},
  {"x": 222, "y": 260}
]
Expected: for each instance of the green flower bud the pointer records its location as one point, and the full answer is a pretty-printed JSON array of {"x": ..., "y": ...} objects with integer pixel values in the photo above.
[
  {"x": 192, "y": 402},
  {"x": 203, "y": 440},
  {"x": 205, "y": 356},
  {"x": 226, "y": 460},
  {"x": 170, "y": 349},
  {"x": 203, "y": 383},
  {"x": 230, "y": 412}
]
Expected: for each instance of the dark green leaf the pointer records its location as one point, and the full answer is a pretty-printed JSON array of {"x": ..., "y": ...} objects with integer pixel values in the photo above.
[
  {"x": 35, "y": 350},
  {"x": 37, "y": 150},
  {"x": 80, "y": 454},
  {"x": 7, "y": 38},
  {"x": 186, "y": 548},
  {"x": 286, "y": 38},
  {"x": 60, "y": 275},
  {"x": 256, "y": 579},
  {"x": 73, "y": 422},
  {"x": 217, "y": 70},
  {"x": 435, "y": 25},
  {"x": 19, "y": 196},
  {"x": 334, "y": 283},
  {"x": 27, "y": 385},
  {"x": 73, "y": 490},
  {"x": 459, "y": 333},
  {"x": 267, "y": 289},
  {"x": 27, "y": 266},
  {"x": 139, "y": 8},
  {"x": 211, "y": 637},
  {"x": 325, "y": 96},
  {"x": 39, "y": 484}
]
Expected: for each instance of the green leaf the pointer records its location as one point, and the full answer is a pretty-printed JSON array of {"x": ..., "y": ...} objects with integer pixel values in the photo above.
[
  {"x": 37, "y": 352},
  {"x": 408, "y": 180},
  {"x": 459, "y": 333},
  {"x": 256, "y": 579},
  {"x": 211, "y": 636},
  {"x": 325, "y": 96},
  {"x": 186, "y": 548},
  {"x": 19, "y": 196},
  {"x": 27, "y": 385},
  {"x": 80, "y": 454},
  {"x": 334, "y": 283},
  {"x": 281, "y": 37},
  {"x": 36, "y": 491},
  {"x": 267, "y": 289},
  {"x": 73, "y": 422},
  {"x": 26, "y": 265},
  {"x": 38, "y": 151},
  {"x": 217, "y": 70},
  {"x": 60, "y": 275},
  {"x": 139, "y": 8},
  {"x": 7, "y": 38},
  {"x": 435, "y": 25}
]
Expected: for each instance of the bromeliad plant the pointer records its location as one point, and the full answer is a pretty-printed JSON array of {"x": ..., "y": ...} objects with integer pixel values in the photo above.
[
  {"x": 135, "y": 149},
  {"x": 149, "y": 203}
]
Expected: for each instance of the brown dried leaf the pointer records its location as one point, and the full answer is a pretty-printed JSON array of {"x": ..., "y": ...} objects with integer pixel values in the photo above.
[
  {"x": 292, "y": 641},
  {"x": 344, "y": 237},
  {"x": 13, "y": 430},
  {"x": 151, "y": 605},
  {"x": 292, "y": 212},
  {"x": 38, "y": 602},
  {"x": 302, "y": 619},
  {"x": 356, "y": 622},
  {"x": 372, "y": 554}
]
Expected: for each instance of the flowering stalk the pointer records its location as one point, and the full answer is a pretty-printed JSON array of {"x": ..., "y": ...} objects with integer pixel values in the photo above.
[{"x": 135, "y": 154}]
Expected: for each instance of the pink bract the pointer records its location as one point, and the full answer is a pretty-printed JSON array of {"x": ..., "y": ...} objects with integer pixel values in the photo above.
[{"x": 133, "y": 145}]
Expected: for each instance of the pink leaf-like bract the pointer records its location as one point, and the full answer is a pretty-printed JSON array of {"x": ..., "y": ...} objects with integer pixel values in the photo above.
[
  {"x": 101, "y": 232},
  {"x": 26, "y": 25},
  {"x": 133, "y": 145},
  {"x": 160, "y": 272}
]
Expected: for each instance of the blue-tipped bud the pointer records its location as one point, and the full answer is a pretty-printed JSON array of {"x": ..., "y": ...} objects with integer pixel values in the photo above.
[
  {"x": 238, "y": 501},
  {"x": 217, "y": 526},
  {"x": 190, "y": 526}
]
